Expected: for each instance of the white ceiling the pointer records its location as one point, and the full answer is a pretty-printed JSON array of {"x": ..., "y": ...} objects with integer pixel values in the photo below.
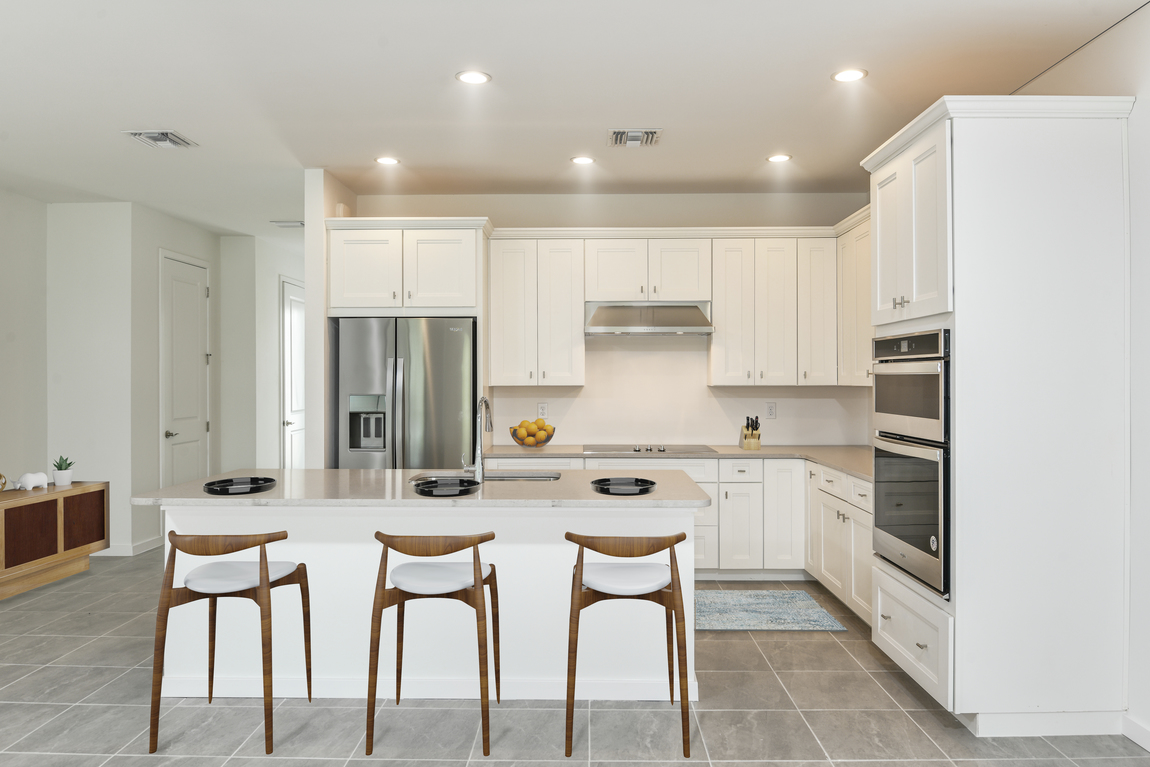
[{"x": 270, "y": 88}]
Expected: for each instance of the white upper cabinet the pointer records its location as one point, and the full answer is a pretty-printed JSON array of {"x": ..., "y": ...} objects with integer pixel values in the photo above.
[
  {"x": 818, "y": 311},
  {"x": 514, "y": 330},
  {"x": 616, "y": 270},
  {"x": 679, "y": 270},
  {"x": 732, "y": 345},
  {"x": 439, "y": 267},
  {"x": 855, "y": 329},
  {"x": 536, "y": 329},
  {"x": 560, "y": 298},
  {"x": 366, "y": 268},
  {"x": 776, "y": 312},
  {"x": 912, "y": 245}
]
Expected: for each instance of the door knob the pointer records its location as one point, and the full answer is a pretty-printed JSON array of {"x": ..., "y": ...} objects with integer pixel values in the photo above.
[
  {"x": 170, "y": 434},
  {"x": 289, "y": 423}
]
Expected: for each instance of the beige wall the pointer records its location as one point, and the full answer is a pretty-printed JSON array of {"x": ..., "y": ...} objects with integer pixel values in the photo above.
[
  {"x": 515, "y": 210},
  {"x": 1118, "y": 64},
  {"x": 237, "y": 285},
  {"x": 23, "y": 335},
  {"x": 273, "y": 264}
]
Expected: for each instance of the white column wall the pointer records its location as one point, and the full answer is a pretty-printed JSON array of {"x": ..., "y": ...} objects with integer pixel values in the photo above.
[
  {"x": 238, "y": 391},
  {"x": 273, "y": 263}
]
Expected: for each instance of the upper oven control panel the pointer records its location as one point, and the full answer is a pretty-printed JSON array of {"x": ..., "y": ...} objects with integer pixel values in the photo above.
[{"x": 931, "y": 344}]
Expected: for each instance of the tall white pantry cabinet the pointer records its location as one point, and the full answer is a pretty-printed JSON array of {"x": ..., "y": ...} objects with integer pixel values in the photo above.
[{"x": 1005, "y": 219}]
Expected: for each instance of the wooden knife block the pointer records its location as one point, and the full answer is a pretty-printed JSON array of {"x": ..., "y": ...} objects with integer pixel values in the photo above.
[{"x": 748, "y": 439}]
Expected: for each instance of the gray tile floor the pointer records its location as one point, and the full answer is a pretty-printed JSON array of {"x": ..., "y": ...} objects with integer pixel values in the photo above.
[{"x": 75, "y": 670}]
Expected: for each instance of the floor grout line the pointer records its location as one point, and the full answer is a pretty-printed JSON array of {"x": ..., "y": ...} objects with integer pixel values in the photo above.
[{"x": 790, "y": 697}]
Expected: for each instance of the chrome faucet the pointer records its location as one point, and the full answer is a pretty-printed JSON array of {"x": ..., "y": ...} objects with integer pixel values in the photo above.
[{"x": 481, "y": 408}]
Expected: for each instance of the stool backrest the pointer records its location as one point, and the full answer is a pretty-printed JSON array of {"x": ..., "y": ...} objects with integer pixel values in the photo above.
[
  {"x": 431, "y": 545},
  {"x": 214, "y": 545},
  {"x": 639, "y": 546}
]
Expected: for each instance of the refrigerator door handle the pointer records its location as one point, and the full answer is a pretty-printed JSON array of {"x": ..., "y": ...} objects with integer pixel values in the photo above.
[
  {"x": 389, "y": 439},
  {"x": 400, "y": 406}
]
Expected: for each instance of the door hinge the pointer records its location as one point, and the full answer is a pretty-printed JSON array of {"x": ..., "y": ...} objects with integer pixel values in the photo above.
[
  {"x": 207, "y": 292},
  {"x": 209, "y": 426},
  {"x": 208, "y": 358}
]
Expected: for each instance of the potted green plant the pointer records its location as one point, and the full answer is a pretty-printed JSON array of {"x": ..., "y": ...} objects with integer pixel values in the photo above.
[{"x": 62, "y": 471}]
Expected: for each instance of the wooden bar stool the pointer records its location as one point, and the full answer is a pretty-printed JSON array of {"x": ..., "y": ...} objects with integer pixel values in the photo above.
[
  {"x": 653, "y": 582},
  {"x": 442, "y": 580},
  {"x": 250, "y": 580}
]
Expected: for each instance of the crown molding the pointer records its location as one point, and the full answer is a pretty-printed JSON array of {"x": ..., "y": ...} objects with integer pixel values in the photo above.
[
  {"x": 656, "y": 233},
  {"x": 853, "y": 220},
  {"x": 428, "y": 222},
  {"x": 1016, "y": 107}
]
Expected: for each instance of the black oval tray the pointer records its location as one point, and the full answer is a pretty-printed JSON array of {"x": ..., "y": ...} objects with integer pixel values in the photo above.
[
  {"x": 446, "y": 488},
  {"x": 239, "y": 485},
  {"x": 622, "y": 485}
]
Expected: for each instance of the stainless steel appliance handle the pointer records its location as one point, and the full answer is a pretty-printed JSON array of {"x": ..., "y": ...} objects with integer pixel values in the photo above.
[
  {"x": 907, "y": 449},
  {"x": 906, "y": 368},
  {"x": 400, "y": 406}
]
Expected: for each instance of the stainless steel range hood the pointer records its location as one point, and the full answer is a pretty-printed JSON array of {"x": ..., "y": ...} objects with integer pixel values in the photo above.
[{"x": 649, "y": 320}]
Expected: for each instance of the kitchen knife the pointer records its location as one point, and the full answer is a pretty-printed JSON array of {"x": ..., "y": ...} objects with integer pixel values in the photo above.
[{"x": 755, "y": 426}]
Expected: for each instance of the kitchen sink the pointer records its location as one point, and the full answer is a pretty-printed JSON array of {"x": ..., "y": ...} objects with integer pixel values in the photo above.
[{"x": 491, "y": 476}]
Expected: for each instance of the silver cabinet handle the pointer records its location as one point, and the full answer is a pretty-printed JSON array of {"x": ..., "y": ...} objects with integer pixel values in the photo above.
[
  {"x": 893, "y": 303},
  {"x": 640, "y": 288},
  {"x": 170, "y": 434},
  {"x": 829, "y": 481},
  {"x": 845, "y": 517},
  {"x": 838, "y": 515},
  {"x": 409, "y": 294},
  {"x": 530, "y": 373},
  {"x": 748, "y": 374},
  {"x": 544, "y": 373},
  {"x": 868, "y": 374},
  {"x": 920, "y": 645},
  {"x": 727, "y": 495},
  {"x": 760, "y": 374},
  {"x": 393, "y": 295},
  {"x": 862, "y": 495},
  {"x": 289, "y": 423},
  {"x": 884, "y": 617},
  {"x": 804, "y": 374},
  {"x": 654, "y": 288},
  {"x": 741, "y": 471}
]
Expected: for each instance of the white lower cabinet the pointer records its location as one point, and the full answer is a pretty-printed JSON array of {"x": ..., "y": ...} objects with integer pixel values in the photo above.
[
  {"x": 707, "y": 530},
  {"x": 839, "y": 551},
  {"x": 916, "y": 634},
  {"x": 740, "y": 526},
  {"x": 784, "y": 503},
  {"x": 701, "y": 469}
]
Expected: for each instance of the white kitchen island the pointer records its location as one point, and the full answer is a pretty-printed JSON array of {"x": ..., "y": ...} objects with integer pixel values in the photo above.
[{"x": 331, "y": 517}]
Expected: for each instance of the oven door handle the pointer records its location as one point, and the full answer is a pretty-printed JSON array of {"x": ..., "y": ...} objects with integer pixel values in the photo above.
[
  {"x": 907, "y": 449},
  {"x": 906, "y": 368}
]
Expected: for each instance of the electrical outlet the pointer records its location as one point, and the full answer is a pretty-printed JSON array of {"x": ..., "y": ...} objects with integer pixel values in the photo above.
[
  {"x": 770, "y": 411},
  {"x": 542, "y": 410}
]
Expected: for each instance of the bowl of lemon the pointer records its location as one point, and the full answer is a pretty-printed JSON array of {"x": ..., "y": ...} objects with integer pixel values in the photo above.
[{"x": 532, "y": 433}]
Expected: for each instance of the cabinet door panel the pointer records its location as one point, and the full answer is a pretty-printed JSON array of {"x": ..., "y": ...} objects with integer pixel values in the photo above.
[
  {"x": 886, "y": 186},
  {"x": 740, "y": 526},
  {"x": 439, "y": 267},
  {"x": 855, "y": 329},
  {"x": 776, "y": 312},
  {"x": 616, "y": 270},
  {"x": 679, "y": 270},
  {"x": 706, "y": 547},
  {"x": 366, "y": 268},
  {"x": 561, "y": 340},
  {"x": 818, "y": 312},
  {"x": 833, "y": 565},
  {"x": 732, "y": 345},
  {"x": 513, "y": 333},
  {"x": 859, "y": 524},
  {"x": 814, "y": 559},
  {"x": 928, "y": 288},
  {"x": 784, "y": 507}
]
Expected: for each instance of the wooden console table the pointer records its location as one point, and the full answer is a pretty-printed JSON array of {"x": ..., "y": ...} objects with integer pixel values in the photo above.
[{"x": 47, "y": 534}]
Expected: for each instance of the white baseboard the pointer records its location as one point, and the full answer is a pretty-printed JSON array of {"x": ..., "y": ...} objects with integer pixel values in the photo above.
[
  {"x": 130, "y": 549},
  {"x": 1021, "y": 725},
  {"x": 513, "y": 689},
  {"x": 752, "y": 575},
  {"x": 1137, "y": 731}
]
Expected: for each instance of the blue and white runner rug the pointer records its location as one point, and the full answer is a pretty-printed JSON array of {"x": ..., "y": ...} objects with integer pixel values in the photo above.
[{"x": 761, "y": 611}]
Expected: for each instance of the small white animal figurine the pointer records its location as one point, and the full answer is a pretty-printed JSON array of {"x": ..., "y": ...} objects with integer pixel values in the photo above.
[{"x": 30, "y": 481}]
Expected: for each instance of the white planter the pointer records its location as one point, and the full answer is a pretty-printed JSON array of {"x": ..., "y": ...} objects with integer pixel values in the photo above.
[{"x": 62, "y": 478}]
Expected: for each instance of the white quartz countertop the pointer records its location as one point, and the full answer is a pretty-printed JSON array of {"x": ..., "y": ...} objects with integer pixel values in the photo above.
[
  {"x": 857, "y": 460},
  {"x": 384, "y": 487}
]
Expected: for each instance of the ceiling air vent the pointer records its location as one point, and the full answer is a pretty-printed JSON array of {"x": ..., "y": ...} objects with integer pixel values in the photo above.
[
  {"x": 634, "y": 139},
  {"x": 164, "y": 139}
]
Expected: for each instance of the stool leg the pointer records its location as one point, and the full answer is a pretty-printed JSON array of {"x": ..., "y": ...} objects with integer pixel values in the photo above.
[
  {"x": 305, "y": 598},
  {"x": 572, "y": 649},
  {"x": 481, "y": 629},
  {"x": 265, "y": 604},
  {"x": 671, "y": 653},
  {"x": 495, "y": 629},
  {"x": 211, "y": 645},
  {"x": 681, "y": 631},
  {"x": 158, "y": 663},
  {"x": 398, "y": 649},
  {"x": 373, "y": 664}
]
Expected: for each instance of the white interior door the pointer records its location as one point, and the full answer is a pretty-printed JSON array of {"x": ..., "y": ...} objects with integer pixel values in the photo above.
[
  {"x": 291, "y": 331},
  {"x": 183, "y": 371}
]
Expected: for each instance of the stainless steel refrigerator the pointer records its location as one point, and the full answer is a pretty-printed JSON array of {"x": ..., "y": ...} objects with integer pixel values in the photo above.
[{"x": 407, "y": 392}]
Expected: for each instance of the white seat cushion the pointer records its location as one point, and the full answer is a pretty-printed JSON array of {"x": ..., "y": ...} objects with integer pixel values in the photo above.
[
  {"x": 626, "y": 579},
  {"x": 222, "y": 577},
  {"x": 436, "y": 577}
]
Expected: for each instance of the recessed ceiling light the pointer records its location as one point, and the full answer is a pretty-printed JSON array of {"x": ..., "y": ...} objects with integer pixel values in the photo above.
[
  {"x": 582, "y": 160},
  {"x": 778, "y": 158},
  {"x": 473, "y": 78},
  {"x": 850, "y": 75},
  {"x": 387, "y": 161}
]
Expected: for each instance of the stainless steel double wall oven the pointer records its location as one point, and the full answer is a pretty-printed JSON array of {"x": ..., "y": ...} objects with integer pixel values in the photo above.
[{"x": 912, "y": 454}]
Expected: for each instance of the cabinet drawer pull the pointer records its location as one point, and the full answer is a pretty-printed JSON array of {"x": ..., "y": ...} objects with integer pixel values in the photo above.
[
  {"x": 727, "y": 495},
  {"x": 920, "y": 645},
  {"x": 829, "y": 481},
  {"x": 884, "y": 617},
  {"x": 862, "y": 495},
  {"x": 838, "y": 515},
  {"x": 812, "y": 475},
  {"x": 741, "y": 471},
  {"x": 845, "y": 517}
]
